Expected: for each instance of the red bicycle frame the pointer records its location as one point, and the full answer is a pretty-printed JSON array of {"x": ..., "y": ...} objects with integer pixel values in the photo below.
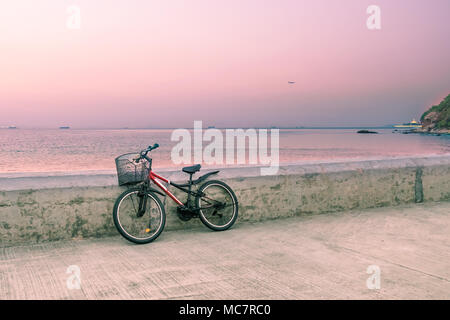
[{"x": 153, "y": 176}]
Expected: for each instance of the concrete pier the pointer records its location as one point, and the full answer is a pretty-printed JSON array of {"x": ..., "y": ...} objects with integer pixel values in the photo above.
[{"x": 39, "y": 209}]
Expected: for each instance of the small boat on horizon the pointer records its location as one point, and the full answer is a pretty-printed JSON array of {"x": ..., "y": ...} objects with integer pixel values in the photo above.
[
  {"x": 12, "y": 127},
  {"x": 64, "y": 127},
  {"x": 412, "y": 124}
]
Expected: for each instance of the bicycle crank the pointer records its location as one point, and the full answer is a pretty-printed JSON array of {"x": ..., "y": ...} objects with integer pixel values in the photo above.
[{"x": 184, "y": 213}]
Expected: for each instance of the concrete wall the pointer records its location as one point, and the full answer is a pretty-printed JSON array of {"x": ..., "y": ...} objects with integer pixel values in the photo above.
[{"x": 81, "y": 206}]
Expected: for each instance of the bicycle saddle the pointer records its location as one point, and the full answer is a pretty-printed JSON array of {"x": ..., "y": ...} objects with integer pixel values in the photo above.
[{"x": 192, "y": 169}]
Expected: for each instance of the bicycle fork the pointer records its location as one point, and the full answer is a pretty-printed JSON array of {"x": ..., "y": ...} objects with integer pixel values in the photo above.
[{"x": 142, "y": 195}]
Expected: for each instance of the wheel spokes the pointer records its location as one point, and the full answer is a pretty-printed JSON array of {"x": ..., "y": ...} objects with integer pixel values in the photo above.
[
  {"x": 140, "y": 225},
  {"x": 216, "y": 205}
]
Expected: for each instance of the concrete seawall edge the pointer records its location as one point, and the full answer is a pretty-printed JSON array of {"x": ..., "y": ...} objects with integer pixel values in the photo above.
[{"x": 39, "y": 209}]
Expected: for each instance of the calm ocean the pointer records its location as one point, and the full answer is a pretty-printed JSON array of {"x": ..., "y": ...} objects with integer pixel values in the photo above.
[{"x": 25, "y": 152}]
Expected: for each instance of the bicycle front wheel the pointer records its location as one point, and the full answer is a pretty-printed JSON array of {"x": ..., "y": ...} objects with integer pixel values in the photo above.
[
  {"x": 217, "y": 205},
  {"x": 135, "y": 226}
]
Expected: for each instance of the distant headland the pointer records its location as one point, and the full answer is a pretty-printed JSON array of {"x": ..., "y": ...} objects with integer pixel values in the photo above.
[{"x": 437, "y": 118}]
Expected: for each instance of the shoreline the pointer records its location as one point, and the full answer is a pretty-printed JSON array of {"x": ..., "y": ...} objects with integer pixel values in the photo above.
[
  {"x": 175, "y": 168},
  {"x": 108, "y": 179},
  {"x": 434, "y": 132}
]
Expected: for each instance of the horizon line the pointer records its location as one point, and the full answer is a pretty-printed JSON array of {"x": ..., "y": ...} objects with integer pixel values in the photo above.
[{"x": 205, "y": 127}]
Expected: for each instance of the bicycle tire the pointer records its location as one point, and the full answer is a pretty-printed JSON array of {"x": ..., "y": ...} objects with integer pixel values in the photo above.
[
  {"x": 202, "y": 213},
  {"x": 124, "y": 232}
]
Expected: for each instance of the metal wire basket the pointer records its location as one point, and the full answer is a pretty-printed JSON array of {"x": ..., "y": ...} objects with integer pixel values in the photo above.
[{"x": 129, "y": 172}]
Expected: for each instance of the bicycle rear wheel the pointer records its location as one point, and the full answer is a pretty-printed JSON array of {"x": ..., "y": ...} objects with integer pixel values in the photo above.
[
  {"x": 217, "y": 205},
  {"x": 136, "y": 227}
]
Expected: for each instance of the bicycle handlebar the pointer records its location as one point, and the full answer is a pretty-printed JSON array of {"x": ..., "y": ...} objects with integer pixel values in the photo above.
[
  {"x": 143, "y": 153},
  {"x": 150, "y": 148}
]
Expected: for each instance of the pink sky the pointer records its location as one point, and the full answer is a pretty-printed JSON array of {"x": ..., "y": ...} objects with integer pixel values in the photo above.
[{"x": 167, "y": 63}]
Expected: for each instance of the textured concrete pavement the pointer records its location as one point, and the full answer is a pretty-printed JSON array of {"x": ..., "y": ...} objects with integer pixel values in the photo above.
[{"x": 307, "y": 257}]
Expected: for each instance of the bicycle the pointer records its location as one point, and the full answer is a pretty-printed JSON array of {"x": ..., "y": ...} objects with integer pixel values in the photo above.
[{"x": 139, "y": 215}]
